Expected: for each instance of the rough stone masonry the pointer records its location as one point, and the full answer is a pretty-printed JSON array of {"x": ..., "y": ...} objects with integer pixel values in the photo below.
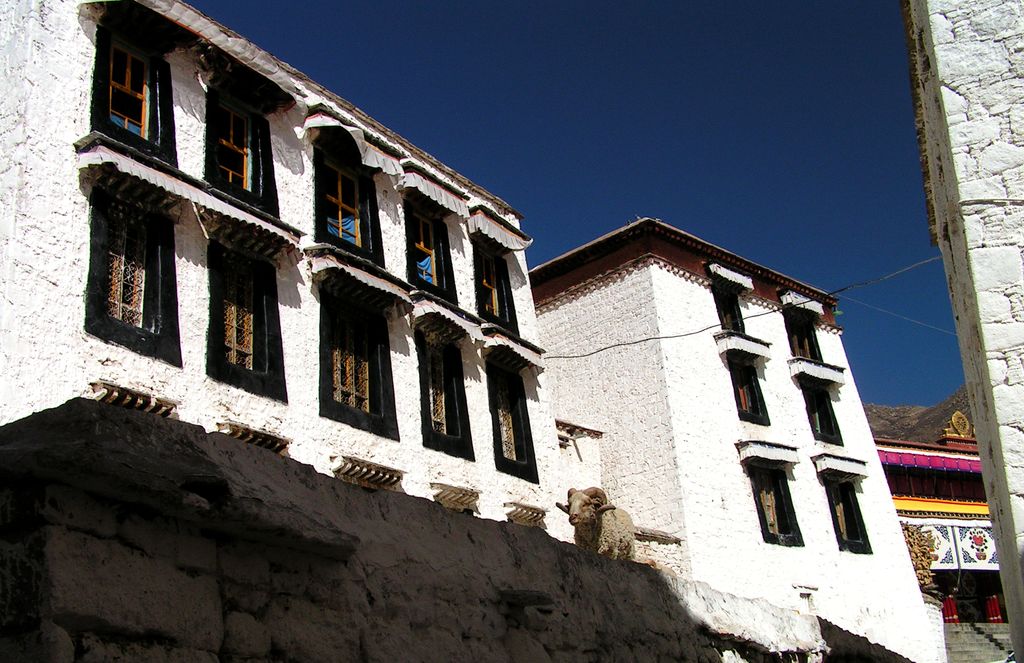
[
  {"x": 128, "y": 537},
  {"x": 967, "y": 66}
]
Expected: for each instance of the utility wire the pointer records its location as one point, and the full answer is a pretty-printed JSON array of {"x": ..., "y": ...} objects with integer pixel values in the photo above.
[
  {"x": 897, "y": 315},
  {"x": 861, "y": 284},
  {"x": 852, "y": 286}
]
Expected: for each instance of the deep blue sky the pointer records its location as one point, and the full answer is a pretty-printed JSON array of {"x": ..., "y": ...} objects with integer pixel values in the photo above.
[{"x": 781, "y": 131}]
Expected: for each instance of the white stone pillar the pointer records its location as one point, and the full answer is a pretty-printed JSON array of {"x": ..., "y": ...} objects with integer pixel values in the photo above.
[{"x": 967, "y": 65}]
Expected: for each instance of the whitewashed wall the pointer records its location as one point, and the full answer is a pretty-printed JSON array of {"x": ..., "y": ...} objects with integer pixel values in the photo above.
[
  {"x": 47, "y": 358},
  {"x": 669, "y": 454},
  {"x": 968, "y": 60}
]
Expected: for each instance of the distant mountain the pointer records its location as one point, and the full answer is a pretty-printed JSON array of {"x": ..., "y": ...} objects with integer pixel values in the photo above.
[{"x": 916, "y": 422}]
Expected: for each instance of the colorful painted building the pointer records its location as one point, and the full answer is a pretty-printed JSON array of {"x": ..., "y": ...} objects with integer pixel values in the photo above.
[{"x": 937, "y": 486}]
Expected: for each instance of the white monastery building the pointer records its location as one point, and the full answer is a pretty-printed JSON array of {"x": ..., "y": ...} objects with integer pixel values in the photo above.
[
  {"x": 206, "y": 231},
  {"x": 194, "y": 228},
  {"x": 730, "y": 420}
]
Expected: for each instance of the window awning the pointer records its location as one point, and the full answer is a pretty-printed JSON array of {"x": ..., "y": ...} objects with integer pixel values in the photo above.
[
  {"x": 442, "y": 323},
  {"x": 943, "y": 463},
  {"x": 733, "y": 341},
  {"x": 505, "y": 236},
  {"x": 263, "y": 231},
  {"x": 371, "y": 156},
  {"x": 766, "y": 453},
  {"x": 720, "y": 273},
  {"x": 414, "y": 179},
  {"x": 816, "y": 371},
  {"x": 354, "y": 283},
  {"x": 509, "y": 353},
  {"x": 840, "y": 466},
  {"x": 795, "y": 299}
]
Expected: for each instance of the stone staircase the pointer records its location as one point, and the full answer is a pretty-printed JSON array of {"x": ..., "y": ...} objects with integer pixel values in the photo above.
[{"x": 977, "y": 643}]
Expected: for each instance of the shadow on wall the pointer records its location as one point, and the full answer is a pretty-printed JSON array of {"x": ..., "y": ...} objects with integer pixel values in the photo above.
[{"x": 127, "y": 536}]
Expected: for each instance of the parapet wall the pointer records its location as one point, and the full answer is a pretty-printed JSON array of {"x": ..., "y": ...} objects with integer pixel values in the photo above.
[{"x": 124, "y": 536}]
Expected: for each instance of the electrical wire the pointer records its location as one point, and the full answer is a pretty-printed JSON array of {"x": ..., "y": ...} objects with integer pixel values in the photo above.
[
  {"x": 852, "y": 286},
  {"x": 901, "y": 317}
]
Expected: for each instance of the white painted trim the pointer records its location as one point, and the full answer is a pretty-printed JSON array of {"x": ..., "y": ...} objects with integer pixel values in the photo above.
[
  {"x": 726, "y": 274},
  {"x": 766, "y": 451},
  {"x": 795, "y": 299},
  {"x": 818, "y": 370}
]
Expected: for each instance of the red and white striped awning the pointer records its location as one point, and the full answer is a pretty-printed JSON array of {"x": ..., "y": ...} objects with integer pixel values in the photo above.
[
  {"x": 480, "y": 223},
  {"x": 99, "y": 155},
  {"x": 451, "y": 201},
  {"x": 371, "y": 156}
]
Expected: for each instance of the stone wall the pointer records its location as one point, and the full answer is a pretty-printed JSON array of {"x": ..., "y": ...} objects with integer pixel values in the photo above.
[
  {"x": 967, "y": 66},
  {"x": 124, "y": 536}
]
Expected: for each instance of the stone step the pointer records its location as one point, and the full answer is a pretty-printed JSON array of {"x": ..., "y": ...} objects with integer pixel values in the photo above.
[{"x": 977, "y": 643}]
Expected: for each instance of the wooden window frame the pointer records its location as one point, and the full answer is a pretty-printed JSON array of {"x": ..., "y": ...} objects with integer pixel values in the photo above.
[
  {"x": 416, "y": 220},
  {"x": 499, "y": 291},
  {"x": 156, "y": 335},
  {"x": 379, "y": 417},
  {"x": 457, "y": 439},
  {"x": 802, "y": 334},
  {"x": 776, "y": 480},
  {"x": 727, "y": 303},
  {"x": 266, "y": 377},
  {"x": 842, "y": 502},
  {"x": 818, "y": 402},
  {"x": 524, "y": 465},
  {"x": 126, "y": 88},
  {"x": 157, "y": 138},
  {"x": 259, "y": 189},
  {"x": 746, "y": 390},
  {"x": 241, "y": 145},
  {"x": 333, "y": 158},
  {"x": 239, "y": 311}
]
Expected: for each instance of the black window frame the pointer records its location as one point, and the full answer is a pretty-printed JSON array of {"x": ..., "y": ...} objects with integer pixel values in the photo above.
[
  {"x": 742, "y": 373},
  {"x": 158, "y": 337},
  {"x": 801, "y": 326},
  {"x": 503, "y": 289},
  {"x": 442, "y": 252},
  {"x": 727, "y": 302},
  {"x": 845, "y": 491},
  {"x": 460, "y": 444},
  {"x": 818, "y": 403},
  {"x": 262, "y": 194},
  {"x": 382, "y": 419},
  {"x": 160, "y": 117},
  {"x": 267, "y": 376},
  {"x": 341, "y": 158},
  {"x": 777, "y": 479},
  {"x": 525, "y": 467}
]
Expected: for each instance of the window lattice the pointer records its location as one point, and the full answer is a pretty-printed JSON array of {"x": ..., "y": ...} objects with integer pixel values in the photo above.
[
  {"x": 770, "y": 512},
  {"x": 238, "y": 311},
  {"x": 127, "y": 91},
  {"x": 488, "y": 282},
  {"x": 126, "y": 264},
  {"x": 508, "y": 436},
  {"x": 342, "y": 209},
  {"x": 438, "y": 419},
  {"x": 232, "y": 146},
  {"x": 841, "y": 517},
  {"x": 350, "y": 364},
  {"x": 426, "y": 264}
]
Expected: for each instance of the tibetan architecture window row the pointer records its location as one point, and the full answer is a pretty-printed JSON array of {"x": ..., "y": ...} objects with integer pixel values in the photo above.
[
  {"x": 743, "y": 355},
  {"x": 132, "y": 301},
  {"x": 777, "y": 516},
  {"x": 132, "y": 104}
]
